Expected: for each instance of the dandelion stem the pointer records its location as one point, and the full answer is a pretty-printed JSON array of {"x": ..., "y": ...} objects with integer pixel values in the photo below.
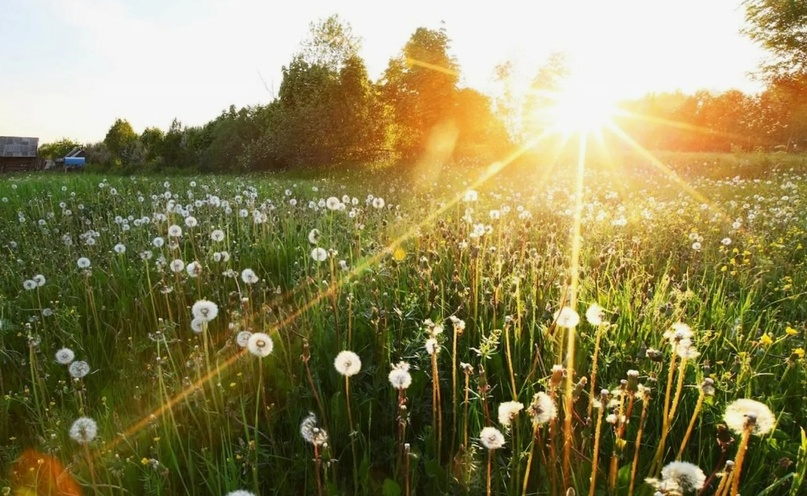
[
  {"x": 738, "y": 461},
  {"x": 638, "y": 445},
  {"x": 526, "y": 482},
  {"x": 593, "y": 379},
  {"x": 352, "y": 437},
  {"x": 691, "y": 425},
  {"x": 596, "y": 452}
]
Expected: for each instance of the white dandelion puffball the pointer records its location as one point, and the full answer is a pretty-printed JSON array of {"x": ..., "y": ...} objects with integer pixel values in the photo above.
[
  {"x": 158, "y": 242},
  {"x": 40, "y": 280},
  {"x": 175, "y": 231},
  {"x": 120, "y": 248},
  {"x": 311, "y": 433},
  {"x": 399, "y": 376},
  {"x": 567, "y": 317},
  {"x": 744, "y": 410},
  {"x": 508, "y": 411},
  {"x": 217, "y": 235},
  {"x": 198, "y": 325},
  {"x": 333, "y": 203},
  {"x": 542, "y": 409},
  {"x": 191, "y": 221},
  {"x": 83, "y": 430},
  {"x": 177, "y": 265},
  {"x": 242, "y": 338},
  {"x": 319, "y": 254},
  {"x": 595, "y": 314},
  {"x": 378, "y": 203},
  {"x": 686, "y": 476},
  {"x": 194, "y": 269},
  {"x": 347, "y": 363},
  {"x": 83, "y": 263},
  {"x": 79, "y": 369},
  {"x": 240, "y": 492},
  {"x": 29, "y": 284},
  {"x": 491, "y": 438},
  {"x": 65, "y": 356},
  {"x": 205, "y": 310},
  {"x": 432, "y": 346},
  {"x": 260, "y": 344},
  {"x": 314, "y": 236},
  {"x": 249, "y": 276}
]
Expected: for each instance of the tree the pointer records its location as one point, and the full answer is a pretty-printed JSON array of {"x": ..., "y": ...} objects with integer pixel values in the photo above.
[
  {"x": 780, "y": 26},
  {"x": 120, "y": 137},
  {"x": 152, "y": 140},
  {"x": 420, "y": 85},
  {"x": 331, "y": 44},
  {"x": 57, "y": 149}
]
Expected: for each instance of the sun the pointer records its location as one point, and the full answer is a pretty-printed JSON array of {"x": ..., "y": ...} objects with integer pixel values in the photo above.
[{"x": 581, "y": 107}]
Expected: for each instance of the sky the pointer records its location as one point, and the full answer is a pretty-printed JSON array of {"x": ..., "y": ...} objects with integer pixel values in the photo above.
[{"x": 69, "y": 68}]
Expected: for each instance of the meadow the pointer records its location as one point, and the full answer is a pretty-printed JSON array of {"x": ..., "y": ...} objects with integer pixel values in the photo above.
[{"x": 397, "y": 334}]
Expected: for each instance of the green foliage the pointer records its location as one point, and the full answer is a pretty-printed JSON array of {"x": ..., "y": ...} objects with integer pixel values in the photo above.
[
  {"x": 57, "y": 149},
  {"x": 780, "y": 27}
]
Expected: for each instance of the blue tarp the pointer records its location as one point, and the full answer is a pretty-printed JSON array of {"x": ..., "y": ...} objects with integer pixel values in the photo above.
[{"x": 74, "y": 161}]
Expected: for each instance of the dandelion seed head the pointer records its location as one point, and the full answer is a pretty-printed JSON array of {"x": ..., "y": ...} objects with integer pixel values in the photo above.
[
  {"x": 542, "y": 409},
  {"x": 347, "y": 363},
  {"x": 508, "y": 411},
  {"x": 83, "y": 430},
  {"x": 432, "y": 346},
  {"x": 685, "y": 476},
  {"x": 491, "y": 438},
  {"x": 399, "y": 376},
  {"x": 566, "y": 317},
  {"x": 743, "y": 411},
  {"x": 314, "y": 236},
  {"x": 29, "y": 284},
  {"x": 319, "y": 254},
  {"x": 40, "y": 280},
  {"x": 249, "y": 276},
  {"x": 217, "y": 235},
  {"x": 242, "y": 338},
  {"x": 205, "y": 310},
  {"x": 79, "y": 369},
  {"x": 595, "y": 314},
  {"x": 65, "y": 356},
  {"x": 260, "y": 344},
  {"x": 311, "y": 433},
  {"x": 83, "y": 263}
]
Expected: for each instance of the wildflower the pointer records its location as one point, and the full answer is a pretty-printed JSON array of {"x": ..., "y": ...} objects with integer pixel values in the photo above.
[
  {"x": 83, "y": 263},
  {"x": 470, "y": 196},
  {"x": 708, "y": 387},
  {"x": 191, "y": 221},
  {"x": 744, "y": 411},
  {"x": 260, "y": 344},
  {"x": 217, "y": 235},
  {"x": 343, "y": 265},
  {"x": 314, "y": 236},
  {"x": 83, "y": 430},
  {"x": 175, "y": 231},
  {"x": 685, "y": 476},
  {"x": 399, "y": 376},
  {"x": 378, "y": 203},
  {"x": 249, "y": 276},
  {"x": 29, "y": 284},
  {"x": 120, "y": 248},
  {"x": 567, "y": 317},
  {"x": 319, "y": 254},
  {"x": 765, "y": 340},
  {"x": 194, "y": 269},
  {"x": 240, "y": 492},
  {"x": 79, "y": 369},
  {"x": 198, "y": 325},
  {"x": 39, "y": 279},
  {"x": 347, "y": 363},
  {"x": 542, "y": 409},
  {"x": 491, "y": 438},
  {"x": 311, "y": 433},
  {"x": 177, "y": 265},
  {"x": 205, "y": 310},
  {"x": 508, "y": 411},
  {"x": 242, "y": 338},
  {"x": 333, "y": 203},
  {"x": 65, "y": 356},
  {"x": 595, "y": 314},
  {"x": 432, "y": 346},
  {"x": 158, "y": 242}
]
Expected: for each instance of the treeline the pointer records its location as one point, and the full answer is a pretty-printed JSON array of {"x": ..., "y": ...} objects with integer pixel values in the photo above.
[{"x": 329, "y": 112}]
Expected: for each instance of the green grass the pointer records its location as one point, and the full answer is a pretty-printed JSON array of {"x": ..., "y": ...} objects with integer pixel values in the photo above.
[{"x": 186, "y": 413}]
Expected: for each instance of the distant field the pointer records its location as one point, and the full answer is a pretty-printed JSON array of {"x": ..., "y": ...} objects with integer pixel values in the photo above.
[{"x": 211, "y": 311}]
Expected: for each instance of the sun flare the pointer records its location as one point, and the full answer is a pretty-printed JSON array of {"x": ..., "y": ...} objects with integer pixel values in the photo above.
[{"x": 581, "y": 107}]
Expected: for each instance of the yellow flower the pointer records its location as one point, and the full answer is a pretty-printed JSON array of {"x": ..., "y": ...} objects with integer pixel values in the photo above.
[
  {"x": 790, "y": 331},
  {"x": 765, "y": 340},
  {"x": 399, "y": 254},
  {"x": 144, "y": 461},
  {"x": 799, "y": 352}
]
